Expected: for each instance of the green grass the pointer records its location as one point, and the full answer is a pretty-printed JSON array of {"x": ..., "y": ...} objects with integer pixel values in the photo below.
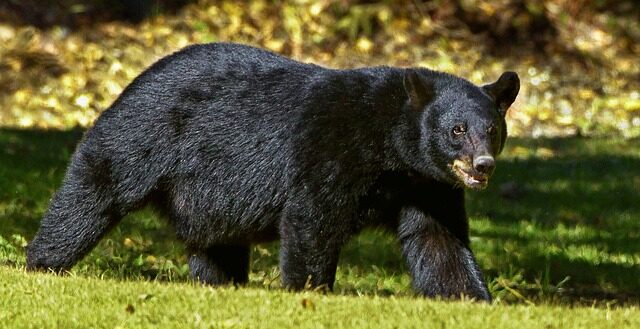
[
  {"x": 555, "y": 233},
  {"x": 46, "y": 301}
]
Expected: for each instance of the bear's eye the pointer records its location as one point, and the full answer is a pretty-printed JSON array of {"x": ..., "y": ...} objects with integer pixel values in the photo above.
[
  {"x": 459, "y": 130},
  {"x": 492, "y": 130}
]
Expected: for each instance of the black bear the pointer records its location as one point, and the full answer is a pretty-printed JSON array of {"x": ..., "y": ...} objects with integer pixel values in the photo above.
[{"x": 238, "y": 145}]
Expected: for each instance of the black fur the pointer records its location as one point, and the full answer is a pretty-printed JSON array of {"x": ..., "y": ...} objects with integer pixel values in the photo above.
[{"x": 239, "y": 145}]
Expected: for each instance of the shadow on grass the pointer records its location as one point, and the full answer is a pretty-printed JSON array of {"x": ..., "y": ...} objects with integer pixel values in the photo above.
[
  {"x": 564, "y": 208},
  {"x": 556, "y": 208}
]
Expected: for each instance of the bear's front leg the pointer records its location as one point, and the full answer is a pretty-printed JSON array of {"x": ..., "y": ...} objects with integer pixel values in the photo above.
[
  {"x": 309, "y": 251},
  {"x": 439, "y": 258}
]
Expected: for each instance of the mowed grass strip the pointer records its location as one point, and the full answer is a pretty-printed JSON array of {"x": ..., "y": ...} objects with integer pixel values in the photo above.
[{"x": 30, "y": 300}]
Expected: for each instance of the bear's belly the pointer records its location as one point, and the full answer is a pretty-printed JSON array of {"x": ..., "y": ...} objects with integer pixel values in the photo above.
[{"x": 226, "y": 221}]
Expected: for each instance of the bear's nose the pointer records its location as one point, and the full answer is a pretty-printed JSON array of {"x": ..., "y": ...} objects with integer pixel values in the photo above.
[{"x": 484, "y": 164}]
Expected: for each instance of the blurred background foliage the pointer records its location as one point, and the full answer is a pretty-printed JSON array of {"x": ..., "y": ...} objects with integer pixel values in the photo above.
[{"x": 63, "y": 62}]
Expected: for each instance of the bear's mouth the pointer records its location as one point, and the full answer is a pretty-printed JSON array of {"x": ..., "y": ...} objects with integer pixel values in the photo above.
[{"x": 469, "y": 177}]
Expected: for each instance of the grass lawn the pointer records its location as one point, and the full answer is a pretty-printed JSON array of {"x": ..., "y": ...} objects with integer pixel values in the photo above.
[
  {"x": 46, "y": 301},
  {"x": 556, "y": 234}
]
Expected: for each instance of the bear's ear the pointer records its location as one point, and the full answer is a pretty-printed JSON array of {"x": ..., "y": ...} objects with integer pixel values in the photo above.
[
  {"x": 504, "y": 91},
  {"x": 420, "y": 92}
]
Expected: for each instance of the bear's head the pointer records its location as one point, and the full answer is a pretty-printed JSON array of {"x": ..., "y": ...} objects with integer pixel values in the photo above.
[{"x": 457, "y": 129}]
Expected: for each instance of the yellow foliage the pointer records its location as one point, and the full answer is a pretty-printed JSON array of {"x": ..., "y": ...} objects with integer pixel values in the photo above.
[{"x": 58, "y": 78}]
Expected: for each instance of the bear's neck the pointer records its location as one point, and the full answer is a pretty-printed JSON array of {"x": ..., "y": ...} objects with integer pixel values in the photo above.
[{"x": 384, "y": 116}]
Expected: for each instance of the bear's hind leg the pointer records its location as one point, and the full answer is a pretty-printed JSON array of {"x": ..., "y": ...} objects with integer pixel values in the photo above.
[
  {"x": 80, "y": 213},
  {"x": 220, "y": 264}
]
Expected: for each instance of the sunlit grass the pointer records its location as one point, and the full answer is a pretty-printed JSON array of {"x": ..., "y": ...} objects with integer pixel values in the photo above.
[{"x": 30, "y": 300}]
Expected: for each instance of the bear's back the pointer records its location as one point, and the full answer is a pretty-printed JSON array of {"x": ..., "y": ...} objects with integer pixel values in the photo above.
[{"x": 232, "y": 130}]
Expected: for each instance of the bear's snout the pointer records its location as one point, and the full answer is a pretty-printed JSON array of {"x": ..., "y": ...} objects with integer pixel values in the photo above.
[{"x": 484, "y": 164}]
